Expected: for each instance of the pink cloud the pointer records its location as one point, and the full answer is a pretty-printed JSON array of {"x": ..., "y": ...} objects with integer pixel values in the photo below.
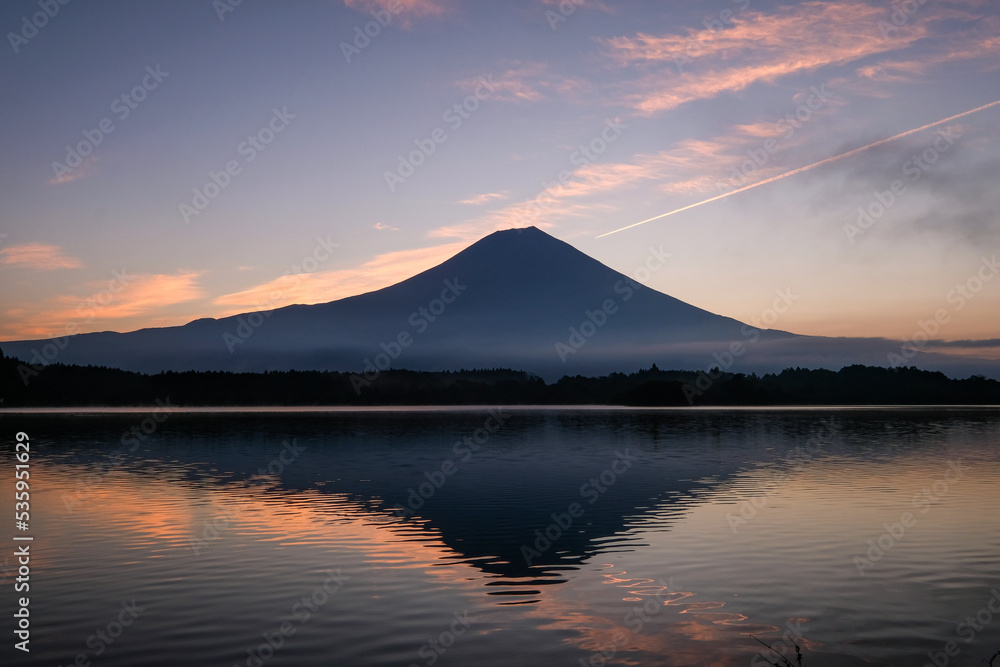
[
  {"x": 485, "y": 198},
  {"x": 757, "y": 48},
  {"x": 38, "y": 256},
  {"x": 126, "y": 296},
  {"x": 138, "y": 294},
  {"x": 323, "y": 286}
]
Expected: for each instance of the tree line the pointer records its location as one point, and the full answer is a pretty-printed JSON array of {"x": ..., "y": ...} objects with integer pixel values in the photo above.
[{"x": 78, "y": 386}]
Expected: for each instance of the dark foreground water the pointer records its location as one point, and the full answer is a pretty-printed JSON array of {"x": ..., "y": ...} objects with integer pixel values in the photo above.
[{"x": 525, "y": 537}]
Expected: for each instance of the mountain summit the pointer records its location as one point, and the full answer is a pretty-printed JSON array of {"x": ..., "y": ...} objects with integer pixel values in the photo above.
[{"x": 517, "y": 298}]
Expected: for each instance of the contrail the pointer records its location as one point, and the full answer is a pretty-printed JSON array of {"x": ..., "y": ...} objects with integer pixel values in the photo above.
[{"x": 806, "y": 168}]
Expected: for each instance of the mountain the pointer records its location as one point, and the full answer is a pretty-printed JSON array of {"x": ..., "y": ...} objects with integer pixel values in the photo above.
[{"x": 517, "y": 298}]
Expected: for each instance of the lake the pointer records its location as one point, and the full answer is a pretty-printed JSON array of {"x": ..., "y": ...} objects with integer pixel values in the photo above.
[{"x": 527, "y": 536}]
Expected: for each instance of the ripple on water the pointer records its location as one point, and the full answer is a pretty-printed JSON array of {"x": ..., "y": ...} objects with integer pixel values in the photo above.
[{"x": 219, "y": 555}]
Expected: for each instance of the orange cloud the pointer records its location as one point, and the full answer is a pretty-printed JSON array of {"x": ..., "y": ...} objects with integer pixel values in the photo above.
[
  {"x": 137, "y": 294},
  {"x": 38, "y": 256},
  {"x": 323, "y": 286},
  {"x": 756, "y": 48},
  {"x": 126, "y": 295}
]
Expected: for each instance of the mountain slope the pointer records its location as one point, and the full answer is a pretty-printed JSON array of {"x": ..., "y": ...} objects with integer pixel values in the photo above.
[{"x": 517, "y": 298}]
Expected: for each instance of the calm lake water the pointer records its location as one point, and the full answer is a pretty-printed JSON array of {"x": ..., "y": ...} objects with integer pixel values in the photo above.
[{"x": 520, "y": 537}]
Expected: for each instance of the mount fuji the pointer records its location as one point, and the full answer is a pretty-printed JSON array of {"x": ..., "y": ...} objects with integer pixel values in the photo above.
[{"x": 518, "y": 298}]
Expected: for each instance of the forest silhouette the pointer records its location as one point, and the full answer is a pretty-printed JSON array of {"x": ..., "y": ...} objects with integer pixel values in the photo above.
[{"x": 22, "y": 385}]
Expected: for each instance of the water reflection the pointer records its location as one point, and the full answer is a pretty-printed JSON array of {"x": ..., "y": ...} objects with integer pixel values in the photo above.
[{"x": 650, "y": 572}]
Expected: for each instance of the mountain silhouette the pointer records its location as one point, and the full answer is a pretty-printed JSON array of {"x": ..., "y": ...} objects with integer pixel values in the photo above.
[{"x": 518, "y": 298}]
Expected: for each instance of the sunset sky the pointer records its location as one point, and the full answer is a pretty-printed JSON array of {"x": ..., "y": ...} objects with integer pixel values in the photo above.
[{"x": 118, "y": 116}]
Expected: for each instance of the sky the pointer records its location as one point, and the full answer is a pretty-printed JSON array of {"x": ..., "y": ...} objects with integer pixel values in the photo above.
[{"x": 167, "y": 161}]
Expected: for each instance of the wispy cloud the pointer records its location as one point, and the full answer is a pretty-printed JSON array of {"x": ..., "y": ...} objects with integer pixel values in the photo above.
[
  {"x": 323, "y": 286},
  {"x": 485, "y": 198},
  {"x": 521, "y": 84},
  {"x": 141, "y": 294},
  {"x": 38, "y": 256},
  {"x": 410, "y": 9},
  {"x": 382, "y": 227},
  {"x": 84, "y": 169},
  {"x": 690, "y": 167},
  {"x": 137, "y": 295},
  {"x": 758, "y": 48},
  {"x": 979, "y": 43},
  {"x": 532, "y": 82},
  {"x": 579, "y": 196},
  {"x": 658, "y": 73}
]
